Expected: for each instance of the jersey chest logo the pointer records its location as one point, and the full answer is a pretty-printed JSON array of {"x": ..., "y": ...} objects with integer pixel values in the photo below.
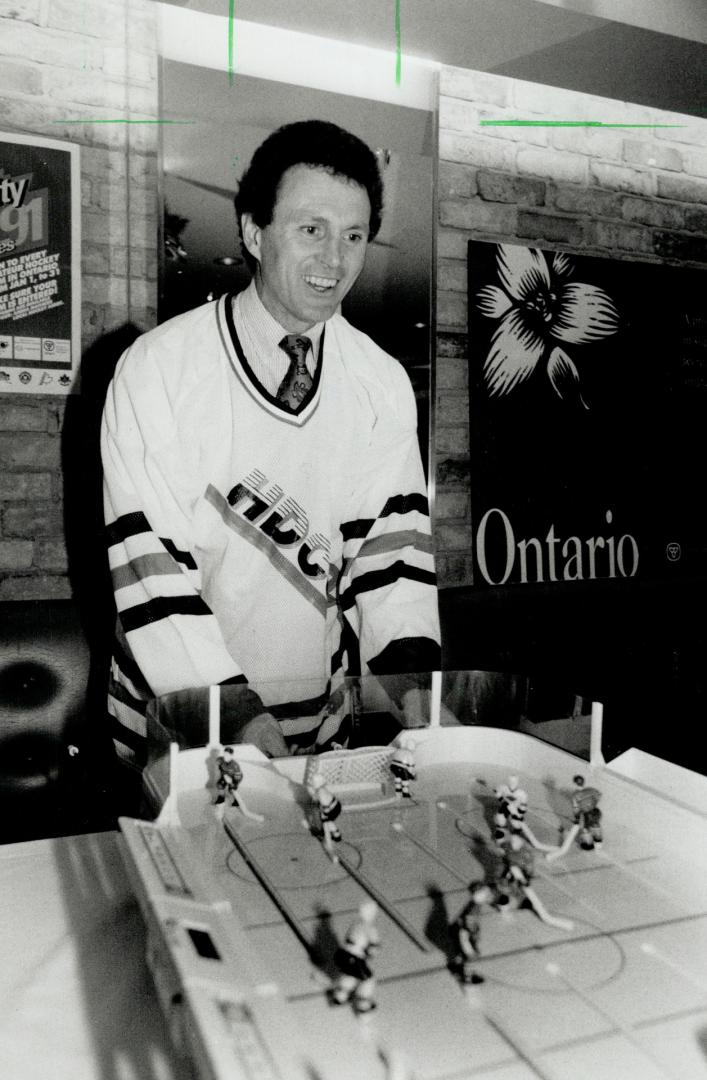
[{"x": 282, "y": 519}]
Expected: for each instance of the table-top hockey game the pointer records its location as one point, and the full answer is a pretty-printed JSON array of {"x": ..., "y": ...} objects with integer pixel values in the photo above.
[{"x": 246, "y": 908}]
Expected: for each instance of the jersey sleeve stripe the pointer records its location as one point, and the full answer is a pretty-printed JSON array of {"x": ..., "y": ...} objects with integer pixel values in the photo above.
[
  {"x": 379, "y": 579},
  {"x": 408, "y": 538},
  {"x": 121, "y": 694},
  {"x": 143, "y": 566},
  {"x": 127, "y": 525},
  {"x": 396, "y": 504},
  {"x": 165, "y": 587},
  {"x": 405, "y": 504},
  {"x": 357, "y": 530},
  {"x": 378, "y": 564},
  {"x": 184, "y": 557},
  {"x": 136, "y": 744},
  {"x": 414, "y": 548},
  {"x": 161, "y": 607},
  {"x": 134, "y": 525},
  {"x": 406, "y": 657},
  {"x": 127, "y": 671},
  {"x": 126, "y": 664},
  {"x": 128, "y": 726}
]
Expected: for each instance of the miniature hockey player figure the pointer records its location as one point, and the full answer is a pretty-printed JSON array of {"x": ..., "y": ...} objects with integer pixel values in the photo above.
[
  {"x": 511, "y": 808},
  {"x": 402, "y": 766},
  {"x": 587, "y": 815},
  {"x": 468, "y": 929},
  {"x": 587, "y": 820},
  {"x": 355, "y": 981},
  {"x": 515, "y": 881},
  {"x": 329, "y": 809},
  {"x": 230, "y": 776}
]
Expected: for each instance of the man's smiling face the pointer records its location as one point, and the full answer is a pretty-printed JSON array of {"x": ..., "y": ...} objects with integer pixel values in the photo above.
[{"x": 313, "y": 249}]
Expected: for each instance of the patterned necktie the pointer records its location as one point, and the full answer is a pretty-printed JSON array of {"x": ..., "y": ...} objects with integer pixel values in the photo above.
[{"x": 297, "y": 382}]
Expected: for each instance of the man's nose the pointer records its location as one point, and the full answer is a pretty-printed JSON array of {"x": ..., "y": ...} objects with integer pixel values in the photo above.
[{"x": 332, "y": 253}]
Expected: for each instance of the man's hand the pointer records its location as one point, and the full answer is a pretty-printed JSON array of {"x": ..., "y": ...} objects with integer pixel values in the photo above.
[
  {"x": 264, "y": 732},
  {"x": 245, "y": 719}
]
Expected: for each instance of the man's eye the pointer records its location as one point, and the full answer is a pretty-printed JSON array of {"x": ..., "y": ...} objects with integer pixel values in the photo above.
[
  {"x": 355, "y": 238},
  {"x": 311, "y": 230}
]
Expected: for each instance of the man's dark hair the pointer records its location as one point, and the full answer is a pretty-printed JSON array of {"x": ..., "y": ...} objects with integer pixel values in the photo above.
[{"x": 308, "y": 142}]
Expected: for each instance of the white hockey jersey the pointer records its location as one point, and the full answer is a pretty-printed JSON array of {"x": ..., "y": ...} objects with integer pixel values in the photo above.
[{"x": 249, "y": 543}]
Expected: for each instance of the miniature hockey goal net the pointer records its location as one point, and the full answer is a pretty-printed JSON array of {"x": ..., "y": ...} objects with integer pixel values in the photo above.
[{"x": 359, "y": 778}]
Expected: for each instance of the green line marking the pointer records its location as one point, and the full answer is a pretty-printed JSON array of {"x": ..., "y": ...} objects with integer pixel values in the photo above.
[
  {"x": 398, "y": 54},
  {"x": 570, "y": 123},
  {"x": 231, "y": 25},
  {"x": 123, "y": 121}
]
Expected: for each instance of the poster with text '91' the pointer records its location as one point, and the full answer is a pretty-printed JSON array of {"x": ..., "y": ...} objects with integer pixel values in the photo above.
[{"x": 40, "y": 265}]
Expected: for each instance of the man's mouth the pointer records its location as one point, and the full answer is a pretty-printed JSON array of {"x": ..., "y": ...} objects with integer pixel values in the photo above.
[{"x": 321, "y": 284}]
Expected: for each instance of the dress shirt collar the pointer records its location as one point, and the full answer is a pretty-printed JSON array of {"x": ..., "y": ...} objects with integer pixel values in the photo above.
[{"x": 266, "y": 331}]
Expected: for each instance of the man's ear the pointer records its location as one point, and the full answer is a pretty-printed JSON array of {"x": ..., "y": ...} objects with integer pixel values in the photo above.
[{"x": 251, "y": 235}]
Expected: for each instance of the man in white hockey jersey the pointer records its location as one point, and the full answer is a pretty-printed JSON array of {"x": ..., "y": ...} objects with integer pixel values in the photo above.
[{"x": 266, "y": 511}]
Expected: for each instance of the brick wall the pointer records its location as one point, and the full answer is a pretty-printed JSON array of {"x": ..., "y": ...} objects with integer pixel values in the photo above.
[
  {"x": 87, "y": 60},
  {"x": 627, "y": 193}
]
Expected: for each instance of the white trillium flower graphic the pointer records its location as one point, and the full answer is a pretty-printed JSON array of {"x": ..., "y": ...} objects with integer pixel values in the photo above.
[{"x": 538, "y": 307}]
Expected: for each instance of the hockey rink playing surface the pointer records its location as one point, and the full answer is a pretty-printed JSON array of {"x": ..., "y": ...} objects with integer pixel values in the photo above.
[{"x": 622, "y": 995}]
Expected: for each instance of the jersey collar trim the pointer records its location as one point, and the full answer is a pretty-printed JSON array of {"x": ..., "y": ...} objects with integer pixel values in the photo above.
[{"x": 246, "y": 375}]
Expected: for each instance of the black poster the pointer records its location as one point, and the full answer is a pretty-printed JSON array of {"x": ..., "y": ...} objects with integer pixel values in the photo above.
[
  {"x": 39, "y": 265},
  {"x": 588, "y": 399}
]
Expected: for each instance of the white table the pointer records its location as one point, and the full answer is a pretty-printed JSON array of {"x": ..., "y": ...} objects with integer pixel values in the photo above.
[{"x": 76, "y": 997}]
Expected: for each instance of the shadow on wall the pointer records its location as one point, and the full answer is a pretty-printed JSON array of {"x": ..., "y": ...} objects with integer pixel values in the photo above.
[
  {"x": 83, "y": 487},
  {"x": 58, "y": 771},
  {"x": 83, "y": 518}
]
